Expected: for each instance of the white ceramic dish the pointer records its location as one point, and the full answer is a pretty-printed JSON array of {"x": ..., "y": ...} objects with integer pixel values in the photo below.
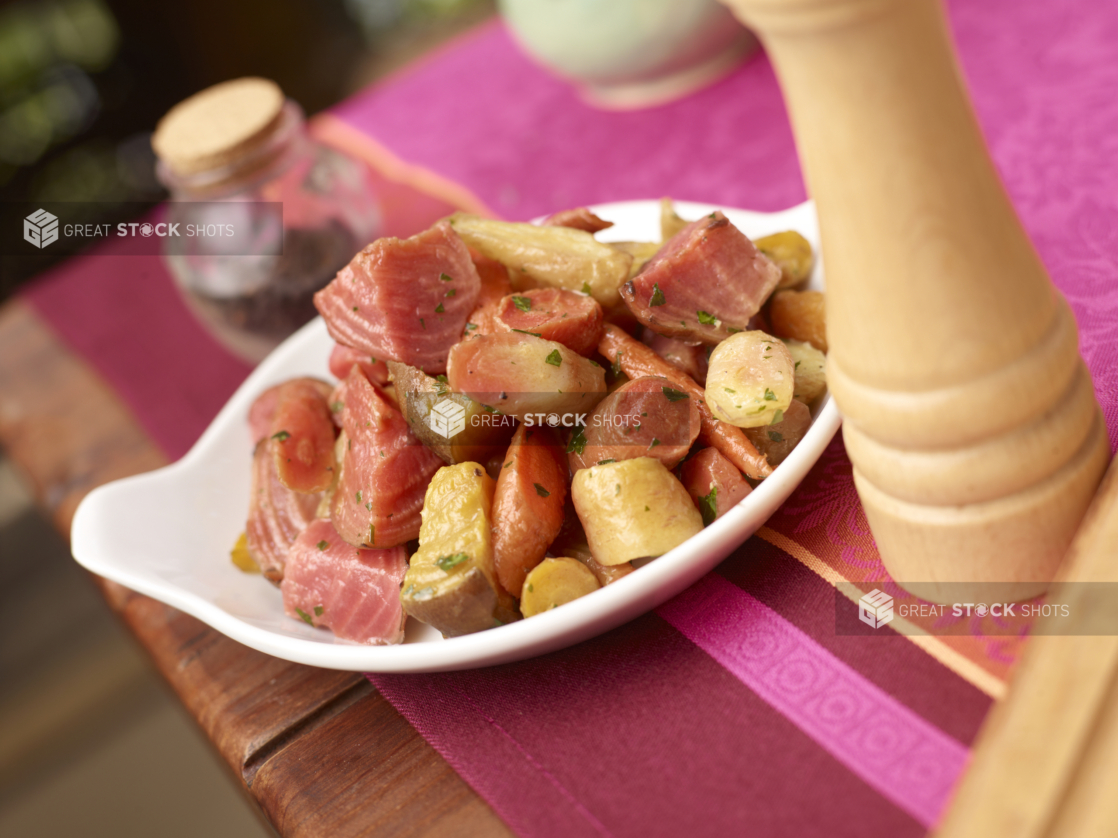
[{"x": 168, "y": 533}]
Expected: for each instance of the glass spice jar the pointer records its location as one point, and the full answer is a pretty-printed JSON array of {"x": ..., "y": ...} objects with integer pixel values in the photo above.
[{"x": 228, "y": 155}]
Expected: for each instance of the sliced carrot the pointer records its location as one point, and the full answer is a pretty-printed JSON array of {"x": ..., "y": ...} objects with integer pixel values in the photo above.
[
  {"x": 713, "y": 483},
  {"x": 566, "y": 317},
  {"x": 495, "y": 285},
  {"x": 527, "y": 504},
  {"x": 637, "y": 360}
]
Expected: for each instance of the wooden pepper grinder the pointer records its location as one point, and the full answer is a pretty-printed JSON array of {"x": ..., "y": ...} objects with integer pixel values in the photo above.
[{"x": 970, "y": 418}]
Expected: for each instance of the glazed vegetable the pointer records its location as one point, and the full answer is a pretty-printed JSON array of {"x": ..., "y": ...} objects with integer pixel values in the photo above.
[
  {"x": 776, "y": 441},
  {"x": 809, "y": 368},
  {"x": 263, "y": 408},
  {"x": 451, "y": 583},
  {"x": 632, "y": 509},
  {"x": 704, "y": 284},
  {"x": 342, "y": 359},
  {"x": 646, "y": 417},
  {"x": 549, "y": 257},
  {"x": 750, "y": 380},
  {"x": 241, "y": 557},
  {"x": 578, "y": 219},
  {"x": 495, "y": 286},
  {"x": 571, "y": 542},
  {"x": 519, "y": 374},
  {"x": 799, "y": 315},
  {"x": 670, "y": 222},
  {"x": 555, "y": 582},
  {"x": 276, "y": 514},
  {"x": 425, "y": 404},
  {"x": 636, "y": 360},
  {"x": 303, "y": 433},
  {"x": 385, "y": 469},
  {"x": 689, "y": 357},
  {"x": 792, "y": 254},
  {"x": 714, "y": 484},
  {"x": 566, "y": 317},
  {"x": 527, "y": 504}
]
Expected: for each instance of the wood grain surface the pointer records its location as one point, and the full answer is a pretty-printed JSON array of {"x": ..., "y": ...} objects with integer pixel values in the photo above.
[{"x": 321, "y": 752}]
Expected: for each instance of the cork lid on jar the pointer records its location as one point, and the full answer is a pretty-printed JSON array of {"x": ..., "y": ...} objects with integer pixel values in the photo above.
[{"x": 218, "y": 126}]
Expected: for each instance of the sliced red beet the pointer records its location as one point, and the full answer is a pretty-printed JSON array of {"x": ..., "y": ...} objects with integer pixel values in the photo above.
[
  {"x": 566, "y": 317},
  {"x": 714, "y": 483},
  {"x": 706, "y": 282},
  {"x": 527, "y": 504},
  {"x": 647, "y": 417},
  {"x": 264, "y": 408},
  {"x": 519, "y": 374},
  {"x": 404, "y": 300},
  {"x": 303, "y": 433},
  {"x": 276, "y": 514},
  {"x": 352, "y": 591},
  {"x": 342, "y": 359},
  {"x": 385, "y": 469}
]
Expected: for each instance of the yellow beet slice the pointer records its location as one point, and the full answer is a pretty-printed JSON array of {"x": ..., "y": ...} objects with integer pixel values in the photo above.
[
  {"x": 633, "y": 508},
  {"x": 450, "y": 583},
  {"x": 241, "y": 556},
  {"x": 792, "y": 254},
  {"x": 555, "y": 582}
]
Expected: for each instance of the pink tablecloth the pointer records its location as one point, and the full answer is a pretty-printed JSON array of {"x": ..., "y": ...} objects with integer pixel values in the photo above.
[{"x": 735, "y": 708}]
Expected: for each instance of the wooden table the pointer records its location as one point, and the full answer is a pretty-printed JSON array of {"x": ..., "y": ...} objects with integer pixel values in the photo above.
[{"x": 320, "y": 752}]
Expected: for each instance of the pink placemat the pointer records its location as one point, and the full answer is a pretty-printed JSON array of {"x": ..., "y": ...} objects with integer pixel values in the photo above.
[{"x": 735, "y": 708}]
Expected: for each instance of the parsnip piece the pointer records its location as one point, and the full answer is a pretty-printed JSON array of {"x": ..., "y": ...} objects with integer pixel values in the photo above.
[
  {"x": 670, "y": 222},
  {"x": 552, "y": 257},
  {"x": 750, "y": 380},
  {"x": 776, "y": 441},
  {"x": 633, "y": 508},
  {"x": 451, "y": 583},
  {"x": 809, "y": 369},
  {"x": 792, "y": 254},
  {"x": 800, "y": 315},
  {"x": 555, "y": 582},
  {"x": 640, "y": 251}
]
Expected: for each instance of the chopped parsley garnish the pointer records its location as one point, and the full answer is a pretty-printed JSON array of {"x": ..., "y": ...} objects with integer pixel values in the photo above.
[
  {"x": 706, "y": 318},
  {"x": 305, "y": 616},
  {"x": 595, "y": 363},
  {"x": 446, "y": 277},
  {"x": 555, "y": 359},
  {"x": 732, "y": 330},
  {"x": 443, "y": 385},
  {"x": 673, "y": 395},
  {"x": 770, "y": 396},
  {"x": 452, "y": 292},
  {"x": 657, "y": 298},
  {"x": 646, "y": 508},
  {"x": 776, "y": 436},
  {"x": 531, "y": 588},
  {"x": 322, "y": 545},
  {"x": 654, "y": 442},
  {"x": 586, "y": 288},
  {"x": 522, "y": 303},
  {"x": 778, "y": 417},
  {"x": 796, "y": 367},
  {"x": 577, "y": 442},
  {"x": 439, "y": 309},
  {"x": 708, "y": 506},
  {"x": 604, "y": 462},
  {"x": 471, "y": 326},
  {"x": 318, "y": 609},
  {"x": 281, "y": 435},
  {"x": 336, "y": 407},
  {"x": 615, "y": 367},
  {"x": 359, "y": 496},
  {"x": 506, "y": 465},
  {"x": 541, "y": 491},
  {"x": 526, "y": 332},
  {"x": 355, "y": 308},
  {"x": 422, "y": 323},
  {"x": 372, "y": 535},
  {"x": 447, "y": 562}
]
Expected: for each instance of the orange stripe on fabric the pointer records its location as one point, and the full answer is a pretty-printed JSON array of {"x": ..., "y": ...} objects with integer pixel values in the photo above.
[{"x": 937, "y": 647}]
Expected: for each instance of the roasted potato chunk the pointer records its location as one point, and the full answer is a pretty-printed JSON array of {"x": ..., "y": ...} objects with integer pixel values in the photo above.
[
  {"x": 550, "y": 257},
  {"x": 555, "y": 582},
  {"x": 809, "y": 369},
  {"x": 792, "y": 254},
  {"x": 483, "y": 434},
  {"x": 451, "y": 583},
  {"x": 777, "y": 440},
  {"x": 799, "y": 315},
  {"x": 633, "y": 508},
  {"x": 750, "y": 380}
]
